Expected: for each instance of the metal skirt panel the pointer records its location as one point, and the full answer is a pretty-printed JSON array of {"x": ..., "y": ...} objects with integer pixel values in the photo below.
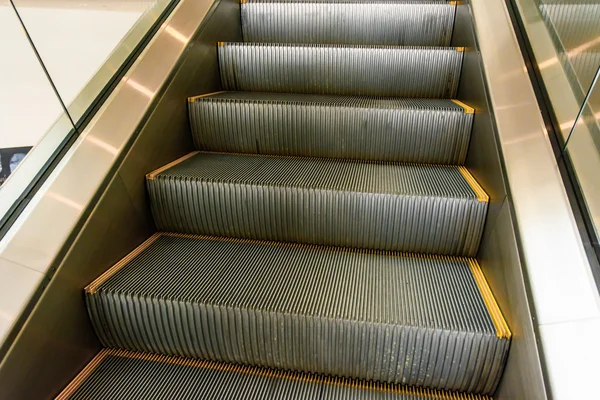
[
  {"x": 365, "y": 22},
  {"x": 380, "y": 129},
  {"x": 115, "y": 374},
  {"x": 382, "y": 317},
  {"x": 427, "y": 72},
  {"x": 416, "y": 208}
]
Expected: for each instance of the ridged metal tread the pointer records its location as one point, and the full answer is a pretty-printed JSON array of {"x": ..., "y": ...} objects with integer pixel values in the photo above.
[
  {"x": 115, "y": 374},
  {"x": 427, "y": 72},
  {"x": 362, "y": 128},
  {"x": 382, "y": 22},
  {"x": 386, "y": 206},
  {"x": 390, "y": 317}
]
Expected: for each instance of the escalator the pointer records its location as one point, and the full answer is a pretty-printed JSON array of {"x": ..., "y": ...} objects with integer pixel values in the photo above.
[{"x": 321, "y": 240}]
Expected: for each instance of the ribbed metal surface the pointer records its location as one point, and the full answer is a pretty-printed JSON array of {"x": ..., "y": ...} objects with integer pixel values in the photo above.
[
  {"x": 370, "y": 315},
  {"x": 126, "y": 375},
  {"x": 419, "y": 208},
  {"x": 383, "y": 129},
  {"x": 429, "y": 72},
  {"x": 415, "y": 23}
]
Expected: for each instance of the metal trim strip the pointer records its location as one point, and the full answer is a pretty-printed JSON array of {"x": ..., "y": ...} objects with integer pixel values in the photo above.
[
  {"x": 83, "y": 375},
  {"x": 468, "y": 109},
  {"x": 92, "y": 287},
  {"x": 502, "y": 330},
  {"x": 152, "y": 175},
  {"x": 482, "y": 196}
]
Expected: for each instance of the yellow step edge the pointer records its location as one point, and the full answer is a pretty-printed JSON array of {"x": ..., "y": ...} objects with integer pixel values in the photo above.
[
  {"x": 468, "y": 109},
  {"x": 152, "y": 175},
  {"x": 93, "y": 287},
  {"x": 191, "y": 99},
  {"x": 349, "y": 160},
  {"x": 82, "y": 376},
  {"x": 481, "y": 194},
  {"x": 266, "y": 372},
  {"x": 502, "y": 330}
]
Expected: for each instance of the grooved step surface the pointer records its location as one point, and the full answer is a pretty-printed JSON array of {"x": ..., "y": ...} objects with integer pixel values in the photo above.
[
  {"x": 363, "y": 128},
  {"x": 429, "y": 72},
  {"x": 125, "y": 375},
  {"x": 371, "y": 315},
  {"x": 414, "y": 23},
  {"x": 404, "y": 207}
]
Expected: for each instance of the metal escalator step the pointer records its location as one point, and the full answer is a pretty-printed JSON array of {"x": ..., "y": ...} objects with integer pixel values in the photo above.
[
  {"x": 382, "y": 22},
  {"x": 115, "y": 374},
  {"x": 386, "y": 206},
  {"x": 382, "y": 316},
  {"x": 362, "y": 128},
  {"x": 428, "y": 72}
]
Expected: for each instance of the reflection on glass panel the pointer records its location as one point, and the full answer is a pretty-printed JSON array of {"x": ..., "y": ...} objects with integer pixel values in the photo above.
[
  {"x": 564, "y": 36},
  {"x": 28, "y": 105},
  {"x": 83, "y": 46},
  {"x": 583, "y": 149},
  {"x": 575, "y": 27},
  {"x": 76, "y": 39}
]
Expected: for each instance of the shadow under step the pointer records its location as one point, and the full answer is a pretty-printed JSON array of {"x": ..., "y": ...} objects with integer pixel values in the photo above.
[
  {"x": 428, "y": 72},
  {"x": 115, "y": 374},
  {"x": 403, "y": 207},
  {"x": 361, "y": 128},
  {"x": 414, "y": 23},
  {"x": 382, "y": 316}
]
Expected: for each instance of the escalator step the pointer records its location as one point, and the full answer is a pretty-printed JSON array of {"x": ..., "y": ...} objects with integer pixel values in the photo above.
[
  {"x": 414, "y": 23},
  {"x": 385, "y": 206},
  {"x": 428, "y": 72},
  {"x": 382, "y": 316},
  {"x": 115, "y": 374},
  {"x": 362, "y": 128}
]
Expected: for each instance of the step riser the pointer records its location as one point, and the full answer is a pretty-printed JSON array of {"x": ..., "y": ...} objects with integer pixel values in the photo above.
[
  {"x": 346, "y": 219},
  {"x": 328, "y": 130},
  {"x": 368, "y": 71},
  {"x": 380, "y": 316},
  {"x": 348, "y": 23},
  {"x": 411, "y": 356},
  {"x": 144, "y": 376}
]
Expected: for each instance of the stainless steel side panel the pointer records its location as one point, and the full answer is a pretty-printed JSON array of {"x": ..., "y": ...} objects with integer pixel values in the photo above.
[
  {"x": 498, "y": 253},
  {"x": 560, "y": 287},
  {"x": 98, "y": 192}
]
